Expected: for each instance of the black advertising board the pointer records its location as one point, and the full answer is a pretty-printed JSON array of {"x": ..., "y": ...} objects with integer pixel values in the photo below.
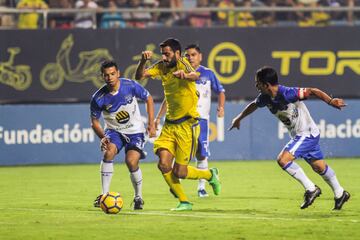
[{"x": 63, "y": 66}]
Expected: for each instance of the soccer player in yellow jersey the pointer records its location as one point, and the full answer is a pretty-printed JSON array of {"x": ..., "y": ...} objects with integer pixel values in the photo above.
[{"x": 178, "y": 138}]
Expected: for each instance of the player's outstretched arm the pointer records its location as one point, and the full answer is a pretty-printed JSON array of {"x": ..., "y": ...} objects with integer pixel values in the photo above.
[
  {"x": 150, "y": 111},
  {"x": 250, "y": 108},
  {"x": 191, "y": 76},
  {"x": 140, "y": 70},
  {"x": 334, "y": 102}
]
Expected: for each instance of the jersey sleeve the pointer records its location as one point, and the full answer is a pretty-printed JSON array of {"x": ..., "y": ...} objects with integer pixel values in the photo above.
[
  {"x": 260, "y": 101},
  {"x": 293, "y": 94},
  {"x": 154, "y": 70},
  {"x": 216, "y": 86},
  {"x": 95, "y": 110},
  {"x": 185, "y": 65},
  {"x": 140, "y": 92}
]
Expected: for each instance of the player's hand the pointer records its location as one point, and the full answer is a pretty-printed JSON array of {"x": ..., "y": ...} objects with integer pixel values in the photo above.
[
  {"x": 146, "y": 55},
  {"x": 104, "y": 143},
  {"x": 151, "y": 130},
  {"x": 220, "y": 112},
  {"x": 234, "y": 124},
  {"x": 337, "y": 103},
  {"x": 179, "y": 74}
]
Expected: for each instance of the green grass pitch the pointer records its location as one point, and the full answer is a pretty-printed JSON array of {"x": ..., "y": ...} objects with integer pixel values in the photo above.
[{"x": 258, "y": 201}]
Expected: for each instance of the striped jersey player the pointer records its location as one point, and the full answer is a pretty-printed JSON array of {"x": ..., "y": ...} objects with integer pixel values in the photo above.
[
  {"x": 286, "y": 103},
  {"x": 117, "y": 103}
]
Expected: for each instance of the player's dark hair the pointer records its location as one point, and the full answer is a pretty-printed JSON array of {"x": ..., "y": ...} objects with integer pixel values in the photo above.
[
  {"x": 173, "y": 43},
  {"x": 195, "y": 46},
  {"x": 267, "y": 75},
  {"x": 108, "y": 64}
]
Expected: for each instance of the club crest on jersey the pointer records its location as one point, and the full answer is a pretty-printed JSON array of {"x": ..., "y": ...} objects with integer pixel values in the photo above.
[
  {"x": 202, "y": 80},
  {"x": 122, "y": 117},
  {"x": 128, "y": 99}
]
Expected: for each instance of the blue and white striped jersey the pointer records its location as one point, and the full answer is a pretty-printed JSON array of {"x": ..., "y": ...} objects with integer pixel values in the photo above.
[
  {"x": 120, "y": 110},
  {"x": 206, "y": 82},
  {"x": 288, "y": 107}
]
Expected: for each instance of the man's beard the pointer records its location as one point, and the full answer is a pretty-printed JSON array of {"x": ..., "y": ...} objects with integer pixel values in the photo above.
[{"x": 172, "y": 63}]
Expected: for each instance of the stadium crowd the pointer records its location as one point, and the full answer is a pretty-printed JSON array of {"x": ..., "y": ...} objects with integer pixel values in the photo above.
[{"x": 107, "y": 15}]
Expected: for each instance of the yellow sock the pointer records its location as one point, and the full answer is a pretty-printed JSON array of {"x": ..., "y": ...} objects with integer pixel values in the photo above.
[
  {"x": 175, "y": 185},
  {"x": 195, "y": 173}
]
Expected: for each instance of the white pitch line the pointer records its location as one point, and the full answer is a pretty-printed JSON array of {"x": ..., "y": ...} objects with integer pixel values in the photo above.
[{"x": 193, "y": 214}]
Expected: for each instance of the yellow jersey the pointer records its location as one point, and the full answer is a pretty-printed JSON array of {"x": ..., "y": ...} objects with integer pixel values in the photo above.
[
  {"x": 30, "y": 20},
  {"x": 180, "y": 94}
]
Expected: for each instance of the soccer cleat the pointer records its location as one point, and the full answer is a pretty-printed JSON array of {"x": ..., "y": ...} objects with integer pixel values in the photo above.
[
  {"x": 138, "y": 203},
  {"x": 310, "y": 196},
  {"x": 215, "y": 181},
  {"x": 97, "y": 201},
  {"x": 339, "y": 202},
  {"x": 202, "y": 193},
  {"x": 183, "y": 206}
]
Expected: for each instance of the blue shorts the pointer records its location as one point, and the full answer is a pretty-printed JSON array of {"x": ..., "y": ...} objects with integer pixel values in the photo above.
[
  {"x": 306, "y": 147},
  {"x": 129, "y": 141},
  {"x": 203, "y": 140}
]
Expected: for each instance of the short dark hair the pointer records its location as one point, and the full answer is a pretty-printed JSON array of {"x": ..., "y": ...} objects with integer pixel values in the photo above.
[
  {"x": 108, "y": 64},
  {"x": 267, "y": 74},
  {"x": 173, "y": 43},
  {"x": 195, "y": 46}
]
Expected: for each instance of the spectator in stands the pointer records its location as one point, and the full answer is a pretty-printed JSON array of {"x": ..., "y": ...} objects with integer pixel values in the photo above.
[
  {"x": 85, "y": 20},
  {"x": 30, "y": 20},
  {"x": 170, "y": 19},
  {"x": 122, "y": 3},
  {"x": 265, "y": 18},
  {"x": 200, "y": 19},
  {"x": 351, "y": 16},
  {"x": 102, "y": 3},
  {"x": 61, "y": 20},
  {"x": 309, "y": 19},
  {"x": 112, "y": 19},
  {"x": 245, "y": 19},
  {"x": 6, "y": 20},
  {"x": 8, "y": 3},
  {"x": 226, "y": 17},
  {"x": 283, "y": 18},
  {"x": 138, "y": 19}
]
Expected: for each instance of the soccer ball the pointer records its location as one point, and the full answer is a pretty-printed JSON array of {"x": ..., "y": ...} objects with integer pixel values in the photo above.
[{"x": 111, "y": 202}]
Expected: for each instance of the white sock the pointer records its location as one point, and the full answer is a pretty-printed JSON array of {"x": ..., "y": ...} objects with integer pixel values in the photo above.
[
  {"x": 298, "y": 173},
  {"x": 106, "y": 169},
  {"x": 203, "y": 164},
  {"x": 136, "y": 179},
  {"x": 330, "y": 178}
]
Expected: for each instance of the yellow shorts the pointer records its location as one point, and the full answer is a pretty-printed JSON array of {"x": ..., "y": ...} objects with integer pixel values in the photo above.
[{"x": 179, "y": 139}]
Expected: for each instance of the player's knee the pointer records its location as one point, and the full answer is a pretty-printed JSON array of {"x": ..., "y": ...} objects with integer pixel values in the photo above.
[
  {"x": 179, "y": 173},
  {"x": 281, "y": 161},
  {"x": 319, "y": 166},
  {"x": 109, "y": 155},
  {"x": 164, "y": 168},
  {"x": 132, "y": 165},
  {"x": 317, "y": 169}
]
